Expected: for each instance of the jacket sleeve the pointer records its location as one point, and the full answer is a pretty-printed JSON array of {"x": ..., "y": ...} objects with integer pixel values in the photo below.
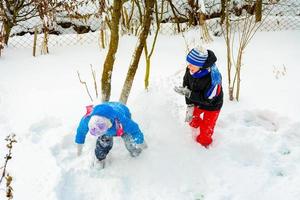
[
  {"x": 198, "y": 93},
  {"x": 130, "y": 127},
  {"x": 185, "y": 79},
  {"x": 188, "y": 101},
  {"x": 186, "y": 84},
  {"x": 82, "y": 130}
]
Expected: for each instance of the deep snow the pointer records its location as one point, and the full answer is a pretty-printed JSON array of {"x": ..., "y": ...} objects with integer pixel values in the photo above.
[{"x": 255, "y": 154}]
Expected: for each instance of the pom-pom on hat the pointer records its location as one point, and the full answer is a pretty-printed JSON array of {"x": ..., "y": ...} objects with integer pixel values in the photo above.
[
  {"x": 99, "y": 125},
  {"x": 197, "y": 57}
]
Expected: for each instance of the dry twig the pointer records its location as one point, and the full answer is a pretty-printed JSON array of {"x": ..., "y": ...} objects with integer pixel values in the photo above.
[
  {"x": 10, "y": 140},
  {"x": 86, "y": 87},
  {"x": 94, "y": 79}
]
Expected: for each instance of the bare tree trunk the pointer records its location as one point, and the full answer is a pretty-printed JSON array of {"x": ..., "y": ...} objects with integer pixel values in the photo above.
[
  {"x": 238, "y": 71},
  {"x": 193, "y": 21},
  {"x": 148, "y": 65},
  {"x": 204, "y": 29},
  {"x": 1, "y": 40},
  {"x": 228, "y": 43},
  {"x": 45, "y": 49},
  {"x": 7, "y": 30},
  {"x": 258, "y": 10},
  {"x": 102, "y": 32},
  {"x": 149, "y": 4},
  {"x": 139, "y": 7},
  {"x": 102, "y": 38},
  {"x": 34, "y": 41},
  {"x": 113, "y": 46},
  {"x": 175, "y": 15},
  {"x": 223, "y": 6},
  {"x": 147, "y": 54}
]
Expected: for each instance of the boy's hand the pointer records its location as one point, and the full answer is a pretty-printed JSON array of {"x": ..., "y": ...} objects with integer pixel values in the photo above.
[
  {"x": 183, "y": 91},
  {"x": 79, "y": 149},
  {"x": 189, "y": 113}
]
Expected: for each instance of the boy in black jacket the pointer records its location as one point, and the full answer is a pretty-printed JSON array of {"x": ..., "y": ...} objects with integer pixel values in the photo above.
[{"x": 202, "y": 88}]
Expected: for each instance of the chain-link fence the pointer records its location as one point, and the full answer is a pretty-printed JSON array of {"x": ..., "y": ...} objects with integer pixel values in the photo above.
[
  {"x": 68, "y": 30},
  {"x": 284, "y": 15}
]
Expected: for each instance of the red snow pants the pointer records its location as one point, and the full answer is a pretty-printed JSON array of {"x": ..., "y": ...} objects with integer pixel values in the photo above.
[{"x": 206, "y": 124}]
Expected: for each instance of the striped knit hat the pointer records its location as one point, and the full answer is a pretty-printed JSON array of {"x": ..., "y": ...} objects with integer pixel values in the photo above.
[{"x": 197, "y": 57}]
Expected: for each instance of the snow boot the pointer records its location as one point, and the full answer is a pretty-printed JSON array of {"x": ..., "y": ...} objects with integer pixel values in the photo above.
[
  {"x": 99, "y": 164},
  {"x": 204, "y": 140}
]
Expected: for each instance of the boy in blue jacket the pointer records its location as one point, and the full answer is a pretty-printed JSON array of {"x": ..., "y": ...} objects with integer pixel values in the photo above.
[{"x": 108, "y": 120}]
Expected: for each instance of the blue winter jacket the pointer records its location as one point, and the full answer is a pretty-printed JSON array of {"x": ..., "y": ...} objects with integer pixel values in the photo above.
[{"x": 113, "y": 111}]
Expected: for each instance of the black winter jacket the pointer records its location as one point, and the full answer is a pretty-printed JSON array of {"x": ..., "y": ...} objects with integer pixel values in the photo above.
[{"x": 199, "y": 86}]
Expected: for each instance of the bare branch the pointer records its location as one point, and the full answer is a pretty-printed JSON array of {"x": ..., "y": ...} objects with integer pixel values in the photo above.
[
  {"x": 94, "y": 79},
  {"x": 85, "y": 85},
  {"x": 10, "y": 139}
]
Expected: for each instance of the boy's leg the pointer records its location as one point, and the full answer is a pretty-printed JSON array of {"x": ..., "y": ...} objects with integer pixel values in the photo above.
[
  {"x": 131, "y": 146},
  {"x": 207, "y": 127},
  {"x": 103, "y": 146},
  {"x": 196, "y": 121}
]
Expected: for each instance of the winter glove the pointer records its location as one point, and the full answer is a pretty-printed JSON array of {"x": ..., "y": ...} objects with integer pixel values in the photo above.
[
  {"x": 183, "y": 91},
  {"x": 79, "y": 149},
  {"x": 189, "y": 113},
  {"x": 142, "y": 146}
]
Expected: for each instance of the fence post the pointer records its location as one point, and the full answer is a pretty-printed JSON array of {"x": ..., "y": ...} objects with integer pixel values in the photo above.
[{"x": 34, "y": 41}]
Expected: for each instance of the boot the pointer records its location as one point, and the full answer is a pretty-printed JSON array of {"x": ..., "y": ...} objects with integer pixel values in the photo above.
[
  {"x": 99, "y": 164},
  {"x": 204, "y": 139}
]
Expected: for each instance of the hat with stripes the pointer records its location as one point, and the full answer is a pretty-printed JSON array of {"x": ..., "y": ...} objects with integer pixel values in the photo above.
[{"x": 197, "y": 57}]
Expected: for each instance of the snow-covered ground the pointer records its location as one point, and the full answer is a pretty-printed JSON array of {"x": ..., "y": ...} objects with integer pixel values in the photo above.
[{"x": 256, "y": 149}]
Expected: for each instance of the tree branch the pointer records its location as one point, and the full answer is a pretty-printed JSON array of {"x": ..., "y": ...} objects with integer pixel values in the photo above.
[
  {"x": 10, "y": 139},
  {"x": 86, "y": 87}
]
